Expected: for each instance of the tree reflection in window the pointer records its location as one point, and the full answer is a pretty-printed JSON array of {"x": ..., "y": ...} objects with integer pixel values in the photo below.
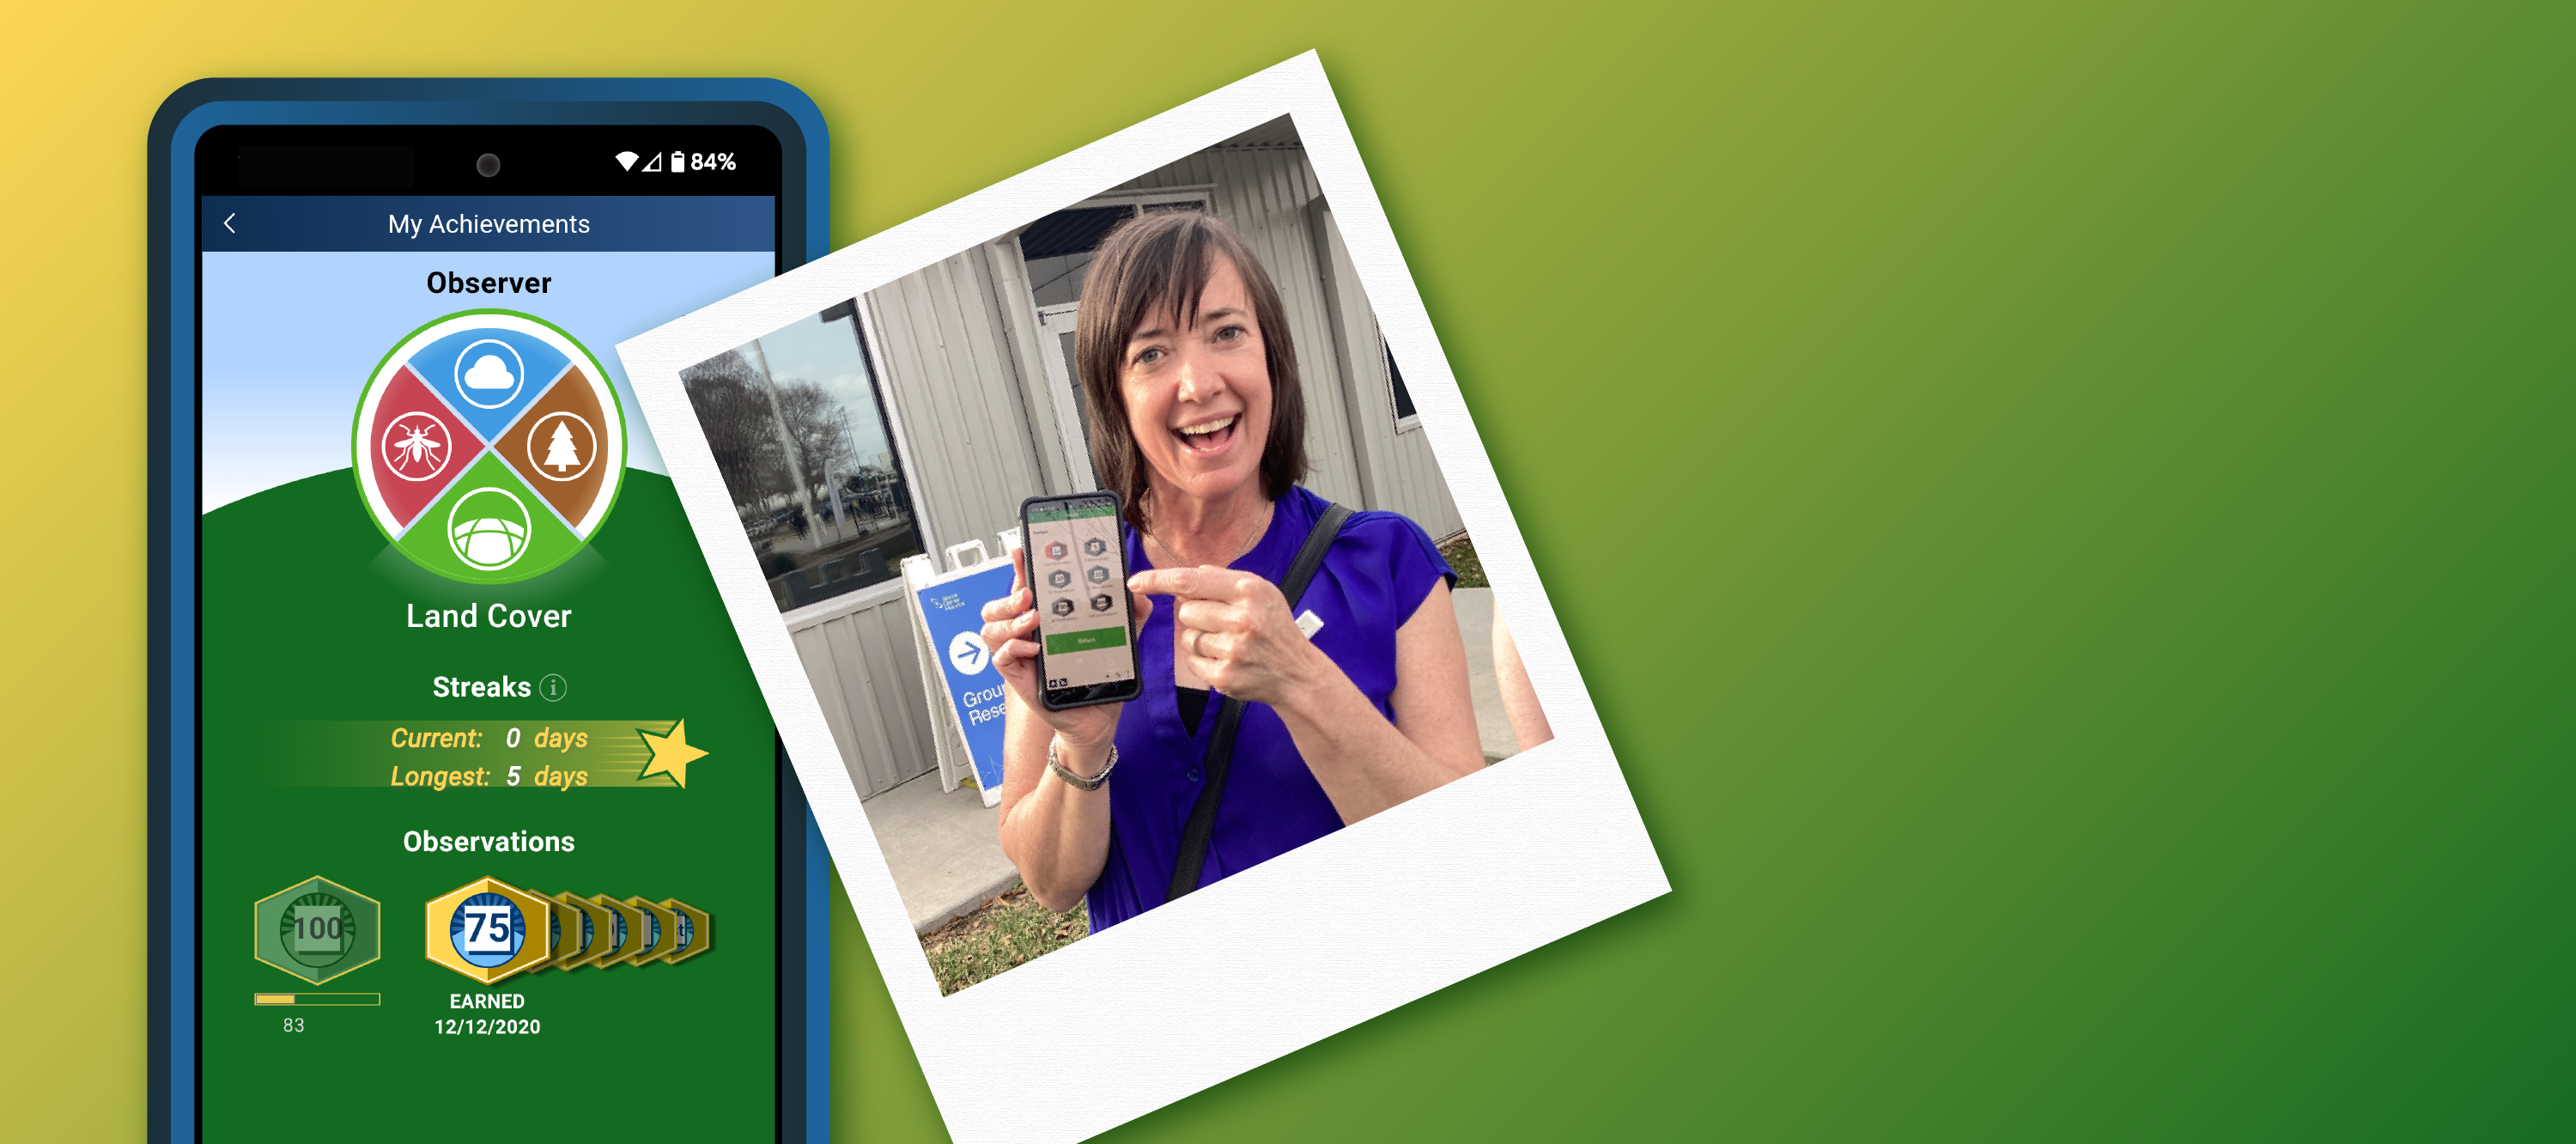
[{"x": 799, "y": 432}]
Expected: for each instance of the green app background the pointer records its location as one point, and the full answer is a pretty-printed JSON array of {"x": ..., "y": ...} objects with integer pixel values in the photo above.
[
  {"x": 305, "y": 614},
  {"x": 2063, "y": 510}
]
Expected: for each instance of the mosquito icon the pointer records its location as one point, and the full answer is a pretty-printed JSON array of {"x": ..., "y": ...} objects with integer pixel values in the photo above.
[{"x": 416, "y": 445}]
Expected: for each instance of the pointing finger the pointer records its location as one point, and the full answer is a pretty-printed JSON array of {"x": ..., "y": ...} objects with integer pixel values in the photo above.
[
  {"x": 1205, "y": 582},
  {"x": 1162, "y": 582}
]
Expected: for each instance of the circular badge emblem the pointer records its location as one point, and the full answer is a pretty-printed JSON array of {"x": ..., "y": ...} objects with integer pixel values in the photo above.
[
  {"x": 570, "y": 444},
  {"x": 497, "y": 375},
  {"x": 487, "y": 930},
  {"x": 488, "y": 529},
  {"x": 489, "y": 446},
  {"x": 318, "y": 929},
  {"x": 417, "y": 446}
]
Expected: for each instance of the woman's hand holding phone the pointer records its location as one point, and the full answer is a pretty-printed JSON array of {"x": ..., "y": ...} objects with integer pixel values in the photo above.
[{"x": 1010, "y": 630}]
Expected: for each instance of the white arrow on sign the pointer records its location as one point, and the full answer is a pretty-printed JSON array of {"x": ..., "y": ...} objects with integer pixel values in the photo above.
[{"x": 968, "y": 654}]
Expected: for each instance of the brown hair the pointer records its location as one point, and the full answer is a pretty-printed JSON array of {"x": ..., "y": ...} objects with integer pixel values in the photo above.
[{"x": 1162, "y": 260}]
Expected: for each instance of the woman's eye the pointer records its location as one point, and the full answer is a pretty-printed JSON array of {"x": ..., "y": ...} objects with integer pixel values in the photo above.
[
  {"x": 1149, "y": 356},
  {"x": 1230, "y": 333}
]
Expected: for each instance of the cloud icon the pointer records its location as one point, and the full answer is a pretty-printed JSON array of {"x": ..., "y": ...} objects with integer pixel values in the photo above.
[{"x": 488, "y": 372}]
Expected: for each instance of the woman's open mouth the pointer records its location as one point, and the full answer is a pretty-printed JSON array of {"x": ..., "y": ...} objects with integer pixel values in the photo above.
[{"x": 1207, "y": 436}]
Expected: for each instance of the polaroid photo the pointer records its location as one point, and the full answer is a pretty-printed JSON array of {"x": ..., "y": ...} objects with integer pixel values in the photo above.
[{"x": 1142, "y": 615}]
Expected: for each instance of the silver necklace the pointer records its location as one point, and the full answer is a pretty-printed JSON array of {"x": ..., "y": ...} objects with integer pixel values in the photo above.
[{"x": 1259, "y": 527}]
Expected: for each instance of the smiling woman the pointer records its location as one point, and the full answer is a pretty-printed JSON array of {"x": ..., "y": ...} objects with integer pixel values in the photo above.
[
  {"x": 1156, "y": 282},
  {"x": 1265, "y": 723}
]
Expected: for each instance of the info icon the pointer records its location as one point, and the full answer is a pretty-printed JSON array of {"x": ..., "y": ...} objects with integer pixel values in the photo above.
[{"x": 317, "y": 929}]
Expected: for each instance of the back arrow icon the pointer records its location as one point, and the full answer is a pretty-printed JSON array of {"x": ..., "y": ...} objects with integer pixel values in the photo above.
[{"x": 228, "y": 221}]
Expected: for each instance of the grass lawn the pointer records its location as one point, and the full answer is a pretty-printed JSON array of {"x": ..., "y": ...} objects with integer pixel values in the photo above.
[
  {"x": 1005, "y": 931},
  {"x": 1462, "y": 560}
]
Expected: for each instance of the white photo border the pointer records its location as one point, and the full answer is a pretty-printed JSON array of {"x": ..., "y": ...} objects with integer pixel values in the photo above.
[{"x": 1293, "y": 950}]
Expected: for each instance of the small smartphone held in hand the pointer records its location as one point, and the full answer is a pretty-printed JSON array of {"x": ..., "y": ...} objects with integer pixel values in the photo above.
[{"x": 1078, "y": 574}]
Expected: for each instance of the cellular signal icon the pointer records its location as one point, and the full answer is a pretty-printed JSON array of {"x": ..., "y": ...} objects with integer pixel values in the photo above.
[
  {"x": 626, "y": 159},
  {"x": 654, "y": 164}
]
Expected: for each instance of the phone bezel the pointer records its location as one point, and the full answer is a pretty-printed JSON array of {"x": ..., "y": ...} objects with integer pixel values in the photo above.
[
  {"x": 176, "y": 942},
  {"x": 1093, "y": 694}
]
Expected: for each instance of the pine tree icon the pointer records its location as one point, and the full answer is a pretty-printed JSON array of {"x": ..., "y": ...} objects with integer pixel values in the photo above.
[{"x": 559, "y": 452}]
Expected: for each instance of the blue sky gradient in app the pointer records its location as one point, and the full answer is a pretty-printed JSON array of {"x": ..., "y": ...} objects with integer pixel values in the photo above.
[{"x": 290, "y": 338}]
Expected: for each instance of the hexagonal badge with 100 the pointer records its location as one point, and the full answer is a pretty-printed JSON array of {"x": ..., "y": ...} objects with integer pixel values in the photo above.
[{"x": 489, "y": 446}]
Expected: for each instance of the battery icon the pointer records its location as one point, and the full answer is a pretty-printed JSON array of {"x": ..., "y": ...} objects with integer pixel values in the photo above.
[{"x": 679, "y": 161}]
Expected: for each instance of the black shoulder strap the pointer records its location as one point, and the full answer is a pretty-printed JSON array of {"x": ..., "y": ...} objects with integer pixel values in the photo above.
[{"x": 1229, "y": 717}]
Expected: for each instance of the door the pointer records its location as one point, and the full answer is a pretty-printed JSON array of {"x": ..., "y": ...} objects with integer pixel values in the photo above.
[{"x": 1072, "y": 408}]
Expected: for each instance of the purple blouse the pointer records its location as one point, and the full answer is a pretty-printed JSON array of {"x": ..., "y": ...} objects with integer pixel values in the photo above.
[{"x": 1378, "y": 571}]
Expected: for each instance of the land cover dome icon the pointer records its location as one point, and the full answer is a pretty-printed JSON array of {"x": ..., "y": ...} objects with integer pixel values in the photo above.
[{"x": 488, "y": 529}]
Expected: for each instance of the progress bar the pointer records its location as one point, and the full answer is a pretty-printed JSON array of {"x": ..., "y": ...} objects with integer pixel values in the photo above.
[{"x": 317, "y": 998}]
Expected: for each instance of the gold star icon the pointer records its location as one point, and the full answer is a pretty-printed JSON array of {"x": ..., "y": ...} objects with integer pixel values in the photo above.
[{"x": 672, "y": 753}]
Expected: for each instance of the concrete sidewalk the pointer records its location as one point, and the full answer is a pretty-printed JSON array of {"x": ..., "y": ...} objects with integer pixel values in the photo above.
[{"x": 945, "y": 849}]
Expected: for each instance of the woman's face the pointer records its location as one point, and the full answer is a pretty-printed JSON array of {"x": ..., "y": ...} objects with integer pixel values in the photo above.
[{"x": 1198, "y": 391}]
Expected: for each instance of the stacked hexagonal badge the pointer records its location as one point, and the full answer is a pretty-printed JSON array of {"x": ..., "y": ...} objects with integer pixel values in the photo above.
[
  {"x": 482, "y": 929},
  {"x": 489, "y": 929}
]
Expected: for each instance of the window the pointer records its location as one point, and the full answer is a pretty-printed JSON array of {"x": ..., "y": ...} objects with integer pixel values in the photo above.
[
  {"x": 799, "y": 432},
  {"x": 1395, "y": 382}
]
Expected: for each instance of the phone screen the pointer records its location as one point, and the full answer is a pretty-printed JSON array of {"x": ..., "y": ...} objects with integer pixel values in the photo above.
[
  {"x": 484, "y": 788},
  {"x": 1077, "y": 571}
]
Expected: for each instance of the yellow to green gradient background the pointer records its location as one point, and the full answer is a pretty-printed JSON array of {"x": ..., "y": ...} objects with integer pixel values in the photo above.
[{"x": 2064, "y": 510}]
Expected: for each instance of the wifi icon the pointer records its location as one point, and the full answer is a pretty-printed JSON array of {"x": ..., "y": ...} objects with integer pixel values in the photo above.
[{"x": 626, "y": 159}]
